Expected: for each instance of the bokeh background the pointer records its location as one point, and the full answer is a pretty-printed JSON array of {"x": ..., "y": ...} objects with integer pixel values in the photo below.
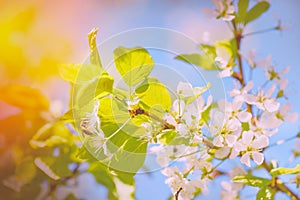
[{"x": 37, "y": 36}]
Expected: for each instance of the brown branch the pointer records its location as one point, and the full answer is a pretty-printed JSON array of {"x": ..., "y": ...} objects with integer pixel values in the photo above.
[
  {"x": 278, "y": 184},
  {"x": 177, "y": 193},
  {"x": 238, "y": 37},
  {"x": 165, "y": 124}
]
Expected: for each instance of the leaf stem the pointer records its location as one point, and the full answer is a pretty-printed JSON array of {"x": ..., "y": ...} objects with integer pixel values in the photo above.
[{"x": 261, "y": 31}]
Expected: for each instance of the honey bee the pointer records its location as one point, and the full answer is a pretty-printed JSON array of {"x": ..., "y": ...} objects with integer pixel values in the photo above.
[{"x": 135, "y": 112}]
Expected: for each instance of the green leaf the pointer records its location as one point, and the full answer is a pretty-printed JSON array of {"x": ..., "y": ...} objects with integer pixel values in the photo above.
[
  {"x": 52, "y": 135},
  {"x": 153, "y": 93},
  {"x": 113, "y": 111},
  {"x": 84, "y": 155},
  {"x": 80, "y": 73},
  {"x": 104, "y": 177},
  {"x": 230, "y": 48},
  {"x": 168, "y": 136},
  {"x": 67, "y": 117},
  {"x": 85, "y": 94},
  {"x": 242, "y": 10},
  {"x": 191, "y": 99},
  {"x": 54, "y": 167},
  {"x": 205, "y": 117},
  {"x": 233, "y": 47},
  {"x": 97, "y": 169},
  {"x": 105, "y": 84},
  {"x": 281, "y": 171},
  {"x": 94, "y": 54},
  {"x": 265, "y": 193},
  {"x": 69, "y": 72},
  {"x": 209, "y": 50},
  {"x": 140, "y": 119},
  {"x": 133, "y": 64},
  {"x": 204, "y": 61},
  {"x": 256, "y": 11},
  {"x": 252, "y": 180},
  {"x": 129, "y": 152}
]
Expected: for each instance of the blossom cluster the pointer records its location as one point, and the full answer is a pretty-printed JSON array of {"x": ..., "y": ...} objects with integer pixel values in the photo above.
[{"x": 196, "y": 131}]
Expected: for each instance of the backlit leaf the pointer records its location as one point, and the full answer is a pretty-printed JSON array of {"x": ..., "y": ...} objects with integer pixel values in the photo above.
[{"x": 133, "y": 64}]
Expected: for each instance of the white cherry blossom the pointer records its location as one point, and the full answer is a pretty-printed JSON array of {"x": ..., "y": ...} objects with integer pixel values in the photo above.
[
  {"x": 223, "y": 9},
  {"x": 185, "y": 89},
  {"x": 251, "y": 146},
  {"x": 265, "y": 102},
  {"x": 229, "y": 191},
  {"x": 271, "y": 74},
  {"x": 92, "y": 122},
  {"x": 254, "y": 62},
  {"x": 243, "y": 95}
]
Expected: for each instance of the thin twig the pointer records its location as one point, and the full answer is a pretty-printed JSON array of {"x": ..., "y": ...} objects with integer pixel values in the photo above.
[
  {"x": 177, "y": 193},
  {"x": 261, "y": 31},
  {"x": 238, "y": 36},
  {"x": 282, "y": 141}
]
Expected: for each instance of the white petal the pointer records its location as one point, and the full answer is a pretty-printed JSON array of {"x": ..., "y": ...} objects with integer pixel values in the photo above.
[
  {"x": 282, "y": 83},
  {"x": 258, "y": 158},
  {"x": 264, "y": 63},
  {"x": 245, "y": 159},
  {"x": 233, "y": 124},
  {"x": 170, "y": 119},
  {"x": 247, "y": 137},
  {"x": 260, "y": 105},
  {"x": 271, "y": 105},
  {"x": 169, "y": 171},
  {"x": 239, "y": 147},
  {"x": 249, "y": 98},
  {"x": 244, "y": 116},
  {"x": 234, "y": 92},
  {"x": 200, "y": 90},
  {"x": 222, "y": 152},
  {"x": 230, "y": 139},
  {"x": 226, "y": 185},
  {"x": 271, "y": 90},
  {"x": 185, "y": 89},
  {"x": 291, "y": 117},
  {"x": 230, "y": 9},
  {"x": 233, "y": 154},
  {"x": 225, "y": 73},
  {"x": 236, "y": 105},
  {"x": 228, "y": 17},
  {"x": 285, "y": 71},
  {"x": 248, "y": 86},
  {"x": 260, "y": 142},
  {"x": 182, "y": 129},
  {"x": 218, "y": 141},
  {"x": 178, "y": 106}
]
